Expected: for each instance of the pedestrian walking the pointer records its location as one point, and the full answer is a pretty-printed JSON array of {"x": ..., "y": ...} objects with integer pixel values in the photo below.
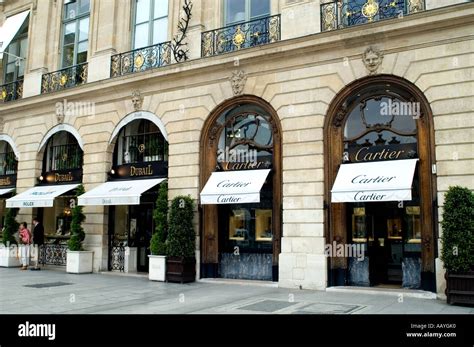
[{"x": 38, "y": 241}]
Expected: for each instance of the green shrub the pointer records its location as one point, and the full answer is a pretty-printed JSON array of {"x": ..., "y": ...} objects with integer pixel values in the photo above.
[
  {"x": 458, "y": 230},
  {"x": 181, "y": 235},
  {"x": 11, "y": 227},
  {"x": 77, "y": 232},
  {"x": 160, "y": 216}
]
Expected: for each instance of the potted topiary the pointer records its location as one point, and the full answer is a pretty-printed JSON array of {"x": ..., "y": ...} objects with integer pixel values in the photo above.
[
  {"x": 9, "y": 248},
  {"x": 78, "y": 260},
  {"x": 458, "y": 245},
  {"x": 181, "y": 261},
  {"x": 157, "y": 259}
]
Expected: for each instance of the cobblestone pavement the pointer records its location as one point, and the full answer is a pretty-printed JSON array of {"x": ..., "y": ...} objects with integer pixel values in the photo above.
[{"x": 55, "y": 291}]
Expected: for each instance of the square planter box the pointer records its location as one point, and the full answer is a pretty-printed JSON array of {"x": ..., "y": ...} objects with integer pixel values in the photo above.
[
  {"x": 157, "y": 268},
  {"x": 460, "y": 287},
  {"x": 180, "y": 270},
  {"x": 79, "y": 262},
  {"x": 8, "y": 257}
]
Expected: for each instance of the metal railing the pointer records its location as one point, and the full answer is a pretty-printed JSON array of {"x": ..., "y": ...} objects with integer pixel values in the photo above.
[
  {"x": 64, "y": 157},
  {"x": 8, "y": 164},
  {"x": 242, "y": 35},
  {"x": 53, "y": 254},
  {"x": 144, "y": 148},
  {"x": 344, "y": 13},
  {"x": 141, "y": 59},
  {"x": 65, "y": 78},
  {"x": 11, "y": 91}
]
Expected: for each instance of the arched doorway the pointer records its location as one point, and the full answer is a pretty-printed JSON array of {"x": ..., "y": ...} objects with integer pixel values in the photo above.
[
  {"x": 240, "y": 238},
  {"x": 140, "y": 158},
  {"x": 377, "y": 125}
]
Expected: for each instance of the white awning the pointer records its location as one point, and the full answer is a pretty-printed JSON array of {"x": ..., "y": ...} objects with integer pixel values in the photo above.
[
  {"x": 41, "y": 196},
  {"x": 10, "y": 28},
  {"x": 118, "y": 192},
  {"x": 374, "y": 181},
  {"x": 5, "y": 191},
  {"x": 234, "y": 187}
]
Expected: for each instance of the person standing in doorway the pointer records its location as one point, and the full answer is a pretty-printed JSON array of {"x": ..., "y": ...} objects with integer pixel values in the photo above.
[
  {"x": 38, "y": 240},
  {"x": 25, "y": 240}
]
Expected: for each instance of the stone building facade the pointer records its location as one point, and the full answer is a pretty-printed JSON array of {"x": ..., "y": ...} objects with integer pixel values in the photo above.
[{"x": 297, "y": 77}]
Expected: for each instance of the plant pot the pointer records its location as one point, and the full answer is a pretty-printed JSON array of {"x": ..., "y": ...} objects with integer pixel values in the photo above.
[
  {"x": 9, "y": 257},
  {"x": 460, "y": 287},
  {"x": 79, "y": 262},
  {"x": 157, "y": 268},
  {"x": 180, "y": 269}
]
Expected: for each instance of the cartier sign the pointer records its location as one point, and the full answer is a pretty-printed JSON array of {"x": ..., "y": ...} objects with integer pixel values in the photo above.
[{"x": 379, "y": 153}]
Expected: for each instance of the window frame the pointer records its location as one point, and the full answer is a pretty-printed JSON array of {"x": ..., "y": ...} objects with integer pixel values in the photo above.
[
  {"x": 150, "y": 22},
  {"x": 77, "y": 19},
  {"x": 21, "y": 35},
  {"x": 248, "y": 16}
]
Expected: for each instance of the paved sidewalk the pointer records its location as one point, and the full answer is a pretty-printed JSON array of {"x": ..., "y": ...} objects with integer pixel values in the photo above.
[{"x": 57, "y": 292}]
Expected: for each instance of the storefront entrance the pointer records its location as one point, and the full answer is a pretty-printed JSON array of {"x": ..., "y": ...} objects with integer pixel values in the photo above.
[
  {"x": 380, "y": 185},
  {"x": 241, "y": 191},
  {"x": 141, "y": 230}
]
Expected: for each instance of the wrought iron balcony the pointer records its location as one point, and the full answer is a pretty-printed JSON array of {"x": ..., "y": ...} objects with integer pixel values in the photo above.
[
  {"x": 344, "y": 13},
  {"x": 65, "y": 78},
  {"x": 141, "y": 59},
  {"x": 243, "y": 35},
  {"x": 12, "y": 91}
]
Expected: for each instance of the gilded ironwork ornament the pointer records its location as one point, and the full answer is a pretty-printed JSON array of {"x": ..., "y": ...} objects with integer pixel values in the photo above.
[
  {"x": 11, "y": 91},
  {"x": 243, "y": 35},
  {"x": 65, "y": 78}
]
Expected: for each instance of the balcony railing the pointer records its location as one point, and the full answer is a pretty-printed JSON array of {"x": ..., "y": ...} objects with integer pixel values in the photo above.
[
  {"x": 144, "y": 148},
  {"x": 141, "y": 59},
  {"x": 64, "y": 157},
  {"x": 243, "y": 35},
  {"x": 65, "y": 78},
  {"x": 12, "y": 91},
  {"x": 344, "y": 13},
  {"x": 8, "y": 164}
]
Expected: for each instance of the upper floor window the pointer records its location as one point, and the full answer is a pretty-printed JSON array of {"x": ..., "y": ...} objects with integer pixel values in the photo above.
[
  {"x": 150, "y": 22},
  {"x": 15, "y": 56},
  {"x": 62, "y": 153},
  {"x": 138, "y": 142},
  {"x": 238, "y": 11},
  {"x": 8, "y": 160},
  {"x": 75, "y": 32}
]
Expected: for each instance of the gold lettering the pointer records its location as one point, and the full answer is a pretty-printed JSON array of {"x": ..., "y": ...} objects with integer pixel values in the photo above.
[
  {"x": 141, "y": 171},
  {"x": 5, "y": 181},
  {"x": 63, "y": 177}
]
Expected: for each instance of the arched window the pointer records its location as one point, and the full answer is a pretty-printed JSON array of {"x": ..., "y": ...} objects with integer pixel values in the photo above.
[
  {"x": 140, "y": 142},
  {"x": 8, "y": 160},
  {"x": 62, "y": 153},
  {"x": 246, "y": 136}
]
